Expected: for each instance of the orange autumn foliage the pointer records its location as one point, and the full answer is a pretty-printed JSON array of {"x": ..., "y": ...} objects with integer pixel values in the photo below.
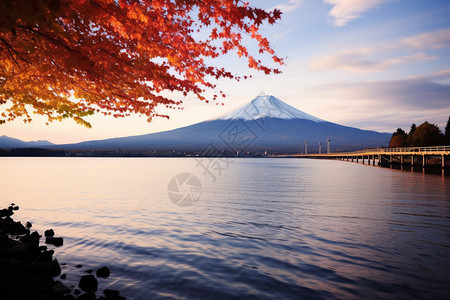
[{"x": 72, "y": 58}]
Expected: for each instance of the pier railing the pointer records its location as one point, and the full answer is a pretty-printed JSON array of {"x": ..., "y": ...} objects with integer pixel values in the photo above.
[
  {"x": 417, "y": 149},
  {"x": 445, "y": 150},
  {"x": 411, "y": 150}
]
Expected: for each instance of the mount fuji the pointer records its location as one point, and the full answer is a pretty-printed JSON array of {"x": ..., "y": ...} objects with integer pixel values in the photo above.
[{"x": 265, "y": 123}]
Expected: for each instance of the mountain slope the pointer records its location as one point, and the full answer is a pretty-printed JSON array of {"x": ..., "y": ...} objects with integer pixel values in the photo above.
[
  {"x": 266, "y": 123},
  {"x": 9, "y": 143}
]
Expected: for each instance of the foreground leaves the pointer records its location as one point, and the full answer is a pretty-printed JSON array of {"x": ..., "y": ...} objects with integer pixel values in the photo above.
[{"x": 72, "y": 58}]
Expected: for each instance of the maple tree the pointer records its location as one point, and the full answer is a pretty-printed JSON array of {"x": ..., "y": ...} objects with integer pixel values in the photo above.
[{"x": 73, "y": 58}]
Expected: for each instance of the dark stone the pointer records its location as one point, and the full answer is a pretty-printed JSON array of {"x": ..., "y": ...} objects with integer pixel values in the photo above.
[
  {"x": 77, "y": 292},
  {"x": 57, "y": 241},
  {"x": 15, "y": 208},
  {"x": 113, "y": 295},
  {"x": 109, "y": 293},
  {"x": 88, "y": 283},
  {"x": 78, "y": 266},
  {"x": 10, "y": 248},
  {"x": 63, "y": 276},
  {"x": 6, "y": 213},
  {"x": 28, "y": 225},
  {"x": 60, "y": 288},
  {"x": 32, "y": 239},
  {"x": 87, "y": 296},
  {"x": 16, "y": 228},
  {"x": 68, "y": 297},
  {"x": 55, "y": 269},
  {"x": 42, "y": 248},
  {"x": 49, "y": 233},
  {"x": 103, "y": 272},
  {"x": 46, "y": 256}
]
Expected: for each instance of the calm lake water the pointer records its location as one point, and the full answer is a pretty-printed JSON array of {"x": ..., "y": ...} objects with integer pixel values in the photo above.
[{"x": 264, "y": 229}]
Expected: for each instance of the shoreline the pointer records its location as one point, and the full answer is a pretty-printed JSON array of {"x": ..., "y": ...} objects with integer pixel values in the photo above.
[{"x": 29, "y": 269}]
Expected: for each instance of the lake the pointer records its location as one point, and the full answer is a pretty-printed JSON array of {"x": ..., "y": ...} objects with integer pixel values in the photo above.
[{"x": 257, "y": 228}]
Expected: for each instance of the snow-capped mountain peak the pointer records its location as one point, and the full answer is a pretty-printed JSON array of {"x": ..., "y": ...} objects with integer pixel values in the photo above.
[{"x": 267, "y": 106}]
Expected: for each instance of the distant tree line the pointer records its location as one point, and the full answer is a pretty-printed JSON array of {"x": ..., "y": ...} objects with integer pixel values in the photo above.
[{"x": 426, "y": 134}]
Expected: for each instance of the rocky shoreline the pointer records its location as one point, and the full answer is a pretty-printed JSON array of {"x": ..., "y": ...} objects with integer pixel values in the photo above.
[{"x": 29, "y": 271}]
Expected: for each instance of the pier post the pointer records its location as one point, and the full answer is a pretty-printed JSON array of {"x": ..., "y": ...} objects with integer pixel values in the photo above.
[
  {"x": 402, "y": 159},
  {"x": 357, "y": 159},
  {"x": 373, "y": 160},
  {"x": 443, "y": 161},
  {"x": 424, "y": 161},
  {"x": 412, "y": 161}
]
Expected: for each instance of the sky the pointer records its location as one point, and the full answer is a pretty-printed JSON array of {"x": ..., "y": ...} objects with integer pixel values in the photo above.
[{"x": 370, "y": 64}]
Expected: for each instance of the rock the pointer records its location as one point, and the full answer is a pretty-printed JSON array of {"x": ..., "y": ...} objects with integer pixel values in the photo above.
[
  {"x": 55, "y": 269},
  {"x": 16, "y": 228},
  {"x": 68, "y": 297},
  {"x": 6, "y": 212},
  {"x": 63, "y": 276},
  {"x": 28, "y": 225},
  {"x": 60, "y": 288},
  {"x": 87, "y": 296},
  {"x": 32, "y": 239},
  {"x": 110, "y": 293},
  {"x": 89, "y": 271},
  {"x": 15, "y": 208},
  {"x": 50, "y": 269},
  {"x": 49, "y": 233},
  {"x": 77, "y": 292},
  {"x": 46, "y": 256},
  {"x": 113, "y": 295},
  {"x": 88, "y": 283},
  {"x": 103, "y": 272},
  {"x": 42, "y": 248},
  {"x": 78, "y": 266},
  {"x": 14, "y": 249},
  {"x": 57, "y": 241}
]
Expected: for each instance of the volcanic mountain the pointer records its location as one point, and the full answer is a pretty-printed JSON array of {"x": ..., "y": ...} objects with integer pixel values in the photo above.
[{"x": 266, "y": 123}]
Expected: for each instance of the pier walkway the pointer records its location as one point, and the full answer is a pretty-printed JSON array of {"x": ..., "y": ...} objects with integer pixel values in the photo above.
[{"x": 414, "y": 156}]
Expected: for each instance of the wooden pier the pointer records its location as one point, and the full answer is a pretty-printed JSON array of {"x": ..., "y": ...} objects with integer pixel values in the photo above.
[{"x": 412, "y": 156}]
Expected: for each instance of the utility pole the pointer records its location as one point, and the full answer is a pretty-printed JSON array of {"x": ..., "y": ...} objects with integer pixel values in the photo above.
[{"x": 306, "y": 147}]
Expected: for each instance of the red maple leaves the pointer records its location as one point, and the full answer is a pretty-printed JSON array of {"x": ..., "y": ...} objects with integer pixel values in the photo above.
[{"x": 71, "y": 58}]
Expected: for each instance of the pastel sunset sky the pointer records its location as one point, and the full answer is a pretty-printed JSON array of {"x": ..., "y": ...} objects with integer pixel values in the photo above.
[{"x": 371, "y": 64}]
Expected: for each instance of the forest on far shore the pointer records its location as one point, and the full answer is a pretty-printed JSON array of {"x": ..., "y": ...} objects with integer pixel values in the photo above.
[{"x": 426, "y": 134}]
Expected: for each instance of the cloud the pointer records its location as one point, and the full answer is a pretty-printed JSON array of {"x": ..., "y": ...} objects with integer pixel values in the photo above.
[
  {"x": 344, "y": 11},
  {"x": 442, "y": 74},
  {"x": 385, "y": 105},
  {"x": 433, "y": 40},
  {"x": 417, "y": 93},
  {"x": 289, "y": 6},
  {"x": 356, "y": 61}
]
